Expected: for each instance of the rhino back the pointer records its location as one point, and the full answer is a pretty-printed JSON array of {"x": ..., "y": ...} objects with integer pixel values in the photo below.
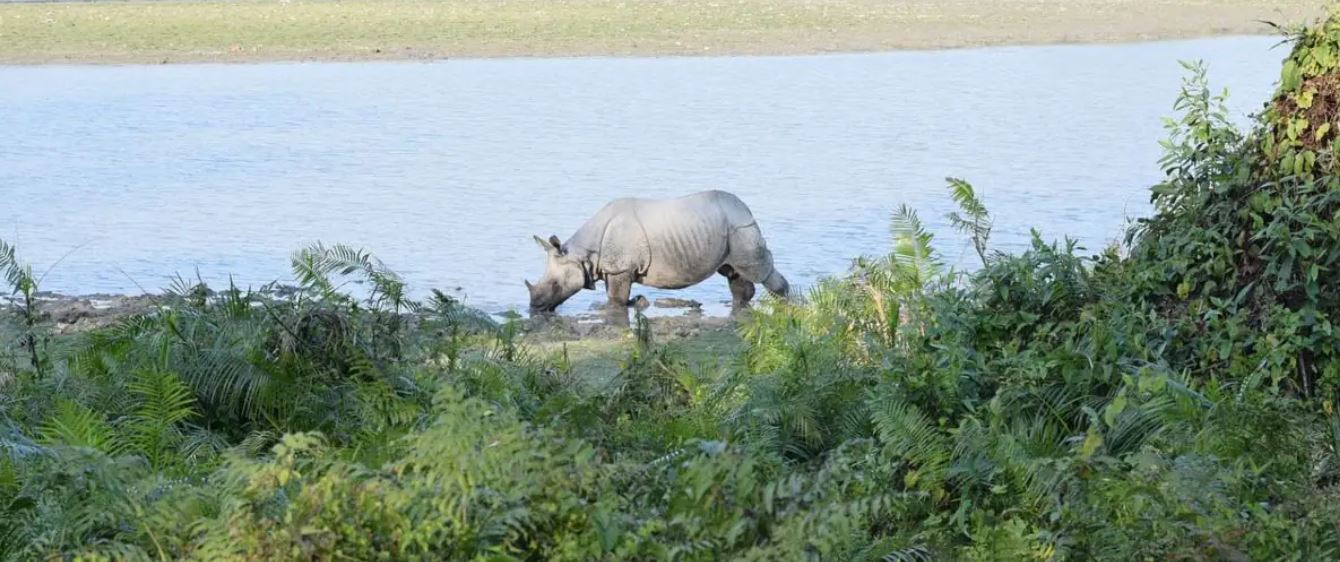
[{"x": 688, "y": 237}]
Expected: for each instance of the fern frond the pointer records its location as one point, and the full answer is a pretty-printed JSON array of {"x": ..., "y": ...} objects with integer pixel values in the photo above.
[
  {"x": 315, "y": 266},
  {"x": 966, "y": 198},
  {"x": 974, "y": 221},
  {"x": 912, "y": 253},
  {"x": 73, "y": 425},
  {"x": 165, "y": 399},
  {"x": 15, "y": 446},
  {"x": 18, "y": 276},
  {"x": 228, "y": 377},
  {"x": 451, "y": 311},
  {"x": 199, "y": 444},
  {"x": 312, "y": 270},
  {"x": 911, "y": 436},
  {"x": 908, "y": 554},
  {"x": 165, "y": 402}
]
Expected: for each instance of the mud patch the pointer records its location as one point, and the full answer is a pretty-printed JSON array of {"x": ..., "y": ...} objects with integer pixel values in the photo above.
[
  {"x": 671, "y": 302},
  {"x": 70, "y": 314},
  {"x": 73, "y": 314},
  {"x": 596, "y": 350},
  {"x": 587, "y": 326}
]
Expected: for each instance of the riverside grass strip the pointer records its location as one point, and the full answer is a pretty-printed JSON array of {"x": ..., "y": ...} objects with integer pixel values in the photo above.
[{"x": 250, "y": 31}]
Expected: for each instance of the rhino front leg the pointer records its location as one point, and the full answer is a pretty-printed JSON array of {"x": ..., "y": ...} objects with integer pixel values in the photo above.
[
  {"x": 618, "y": 288},
  {"x": 741, "y": 289},
  {"x": 752, "y": 261}
]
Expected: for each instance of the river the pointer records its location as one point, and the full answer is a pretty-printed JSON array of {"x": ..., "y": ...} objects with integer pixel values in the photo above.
[{"x": 113, "y": 178}]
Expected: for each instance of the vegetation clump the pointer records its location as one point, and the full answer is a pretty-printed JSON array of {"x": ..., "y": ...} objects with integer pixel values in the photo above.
[
  {"x": 1243, "y": 252},
  {"x": 1175, "y": 403}
]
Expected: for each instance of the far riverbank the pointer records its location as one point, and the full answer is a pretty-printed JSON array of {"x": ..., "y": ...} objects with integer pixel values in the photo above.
[{"x": 257, "y": 31}]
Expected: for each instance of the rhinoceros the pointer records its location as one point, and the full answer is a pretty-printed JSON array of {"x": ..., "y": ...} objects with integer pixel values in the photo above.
[{"x": 661, "y": 243}]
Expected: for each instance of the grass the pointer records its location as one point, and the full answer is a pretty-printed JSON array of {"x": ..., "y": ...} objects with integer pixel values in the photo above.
[
  {"x": 599, "y": 358},
  {"x": 141, "y": 32}
]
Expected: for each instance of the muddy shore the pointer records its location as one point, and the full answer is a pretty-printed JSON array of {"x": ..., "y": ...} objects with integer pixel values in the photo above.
[{"x": 73, "y": 314}]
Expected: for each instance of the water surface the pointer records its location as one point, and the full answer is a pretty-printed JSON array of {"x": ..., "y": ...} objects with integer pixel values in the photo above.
[{"x": 446, "y": 169}]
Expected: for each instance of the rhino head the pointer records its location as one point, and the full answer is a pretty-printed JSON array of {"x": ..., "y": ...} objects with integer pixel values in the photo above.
[{"x": 564, "y": 275}]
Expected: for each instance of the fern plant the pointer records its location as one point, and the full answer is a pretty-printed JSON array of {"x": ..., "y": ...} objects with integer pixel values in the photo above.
[
  {"x": 19, "y": 279},
  {"x": 315, "y": 269},
  {"x": 73, "y": 425},
  {"x": 972, "y": 217},
  {"x": 155, "y": 429}
]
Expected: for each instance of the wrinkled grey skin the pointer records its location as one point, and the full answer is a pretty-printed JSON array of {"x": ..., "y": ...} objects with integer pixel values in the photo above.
[{"x": 662, "y": 243}]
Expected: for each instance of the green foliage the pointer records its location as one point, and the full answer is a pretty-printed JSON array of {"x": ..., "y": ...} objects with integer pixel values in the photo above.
[
  {"x": 155, "y": 427},
  {"x": 18, "y": 277},
  {"x": 73, "y": 425},
  {"x": 913, "y": 263},
  {"x": 1242, "y": 253},
  {"x": 973, "y": 220}
]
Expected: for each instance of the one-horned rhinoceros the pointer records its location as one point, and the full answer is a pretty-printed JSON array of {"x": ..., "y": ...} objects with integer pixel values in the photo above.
[{"x": 662, "y": 243}]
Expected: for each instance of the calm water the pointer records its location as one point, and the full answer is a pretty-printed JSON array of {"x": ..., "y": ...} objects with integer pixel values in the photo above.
[{"x": 445, "y": 170}]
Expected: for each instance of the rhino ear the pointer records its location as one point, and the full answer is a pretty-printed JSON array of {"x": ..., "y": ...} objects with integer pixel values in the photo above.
[
  {"x": 545, "y": 245},
  {"x": 553, "y": 239}
]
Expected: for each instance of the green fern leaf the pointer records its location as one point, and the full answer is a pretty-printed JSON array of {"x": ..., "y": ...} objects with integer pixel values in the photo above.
[
  {"x": 913, "y": 255},
  {"x": 974, "y": 221},
  {"x": 73, "y": 425},
  {"x": 18, "y": 277}
]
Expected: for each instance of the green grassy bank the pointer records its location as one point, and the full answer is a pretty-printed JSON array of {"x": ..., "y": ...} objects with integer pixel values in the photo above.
[{"x": 154, "y": 32}]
